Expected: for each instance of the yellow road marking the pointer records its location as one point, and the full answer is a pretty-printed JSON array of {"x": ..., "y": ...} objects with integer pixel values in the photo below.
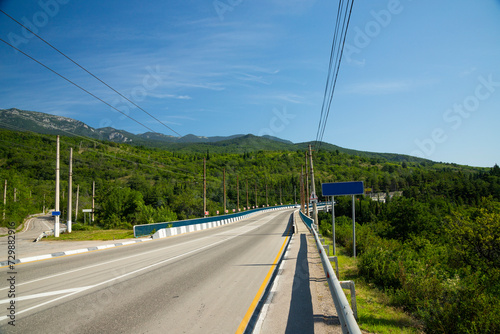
[{"x": 253, "y": 305}]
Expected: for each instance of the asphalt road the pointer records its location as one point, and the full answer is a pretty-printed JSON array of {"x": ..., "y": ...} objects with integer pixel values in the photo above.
[
  {"x": 24, "y": 239},
  {"x": 202, "y": 282}
]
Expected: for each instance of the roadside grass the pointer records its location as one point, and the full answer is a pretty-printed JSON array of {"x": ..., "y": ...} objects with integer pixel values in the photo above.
[
  {"x": 376, "y": 314},
  {"x": 96, "y": 234}
]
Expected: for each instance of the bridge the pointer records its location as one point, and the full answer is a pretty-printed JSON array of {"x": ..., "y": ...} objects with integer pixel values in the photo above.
[{"x": 214, "y": 280}]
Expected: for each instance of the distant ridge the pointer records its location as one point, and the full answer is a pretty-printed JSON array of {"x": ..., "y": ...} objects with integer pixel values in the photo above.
[{"x": 23, "y": 120}]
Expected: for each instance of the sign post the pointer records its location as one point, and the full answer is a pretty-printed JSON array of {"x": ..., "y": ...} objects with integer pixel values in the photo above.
[
  {"x": 333, "y": 225},
  {"x": 339, "y": 189},
  {"x": 89, "y": 211}
]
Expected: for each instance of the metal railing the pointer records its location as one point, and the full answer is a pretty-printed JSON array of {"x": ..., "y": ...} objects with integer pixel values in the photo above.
[
  {"x": 148, "y": 229},
  {"x": 344, "y": 311}
]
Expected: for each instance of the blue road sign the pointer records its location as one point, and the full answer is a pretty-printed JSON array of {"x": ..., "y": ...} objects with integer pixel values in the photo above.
[
  {"x": 343, "y": 188},
  {"x": 56, "y": 213}
]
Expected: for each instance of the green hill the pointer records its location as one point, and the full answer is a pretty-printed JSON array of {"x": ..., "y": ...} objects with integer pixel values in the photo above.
[{"x": 22, "y": 120}]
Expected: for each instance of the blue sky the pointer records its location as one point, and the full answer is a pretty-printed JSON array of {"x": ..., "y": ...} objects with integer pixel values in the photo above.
[{"x": 418, "y": 77}]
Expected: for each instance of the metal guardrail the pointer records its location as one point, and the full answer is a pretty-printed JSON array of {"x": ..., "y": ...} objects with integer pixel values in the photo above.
[
  {"x": 147, "y": 229},
  {"x": 344, "y": 311}
]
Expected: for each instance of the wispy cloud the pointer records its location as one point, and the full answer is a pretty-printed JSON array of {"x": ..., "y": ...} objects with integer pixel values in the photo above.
[
  {"x": 378, "y": 88},
  {"x": 467, "y": 72},
  {"x": 170, "y": 96},
  {"x": 291, "y": 98}
]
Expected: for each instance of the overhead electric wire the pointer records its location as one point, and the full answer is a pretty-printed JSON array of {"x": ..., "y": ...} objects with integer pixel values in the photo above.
[
  {"x": 329, "y": 71},
  {"x": 335, "y": 58},
  {"x": 338, "y": 43},
  {"x": 101, "y": 100},
  {"x": 339, "y": 58},
  {"x": 90, "y": 73},
  {"x": 76, "y": 85}
]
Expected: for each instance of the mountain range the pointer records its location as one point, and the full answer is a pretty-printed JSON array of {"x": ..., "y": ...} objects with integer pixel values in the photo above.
[{"x": 42, "y": 123}]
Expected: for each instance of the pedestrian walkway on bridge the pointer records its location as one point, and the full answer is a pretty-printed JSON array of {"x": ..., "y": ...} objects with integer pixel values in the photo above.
[{"x": 300, "y": 300}]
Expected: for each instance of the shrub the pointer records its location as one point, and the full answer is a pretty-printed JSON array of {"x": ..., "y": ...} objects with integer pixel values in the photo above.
[{"x": 82, "y": 227}]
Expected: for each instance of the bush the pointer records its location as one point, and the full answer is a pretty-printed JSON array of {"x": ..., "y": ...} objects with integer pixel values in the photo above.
[{"x": 82, "y": 227}]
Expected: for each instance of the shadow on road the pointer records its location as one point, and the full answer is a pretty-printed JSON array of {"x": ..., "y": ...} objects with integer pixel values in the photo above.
[{"x": 300, "y": 318}]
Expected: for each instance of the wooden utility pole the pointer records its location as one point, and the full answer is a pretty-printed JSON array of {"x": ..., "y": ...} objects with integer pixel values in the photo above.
[
  {"x": 302, "y": 202},
  {"x": 247, "y": 196},
  {"x": 306, "y": 193},
  {"x": 295, "y": 194},
  {"x": 56, "y": 224},
  {"x": 256, "y": 205},
  {"x": 224, "y": 180},
  {"x": 281, "y": 199},
  {"x": 267, "y": 202},
  {"x": 204, "y": 187},
  {"x": 237, "y": 194},
  {"x": 313, "y": 187},
  {"x": 4, "y": 199},
  {"x": 15, "y": 195},
  {"x": 76, "y": 205},
  {"x": 70, "y": 189},
  {"x": 93, "y": 200}
]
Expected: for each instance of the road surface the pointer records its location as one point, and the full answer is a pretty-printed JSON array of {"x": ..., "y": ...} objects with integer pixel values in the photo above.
[
  {"x": 24, "y": 239},
  {"x": 202, "y": 282}
]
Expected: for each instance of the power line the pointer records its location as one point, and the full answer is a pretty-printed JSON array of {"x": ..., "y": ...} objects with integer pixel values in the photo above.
[
  {"x": 329, "y": 71},
  {"x": 336, "y": 53},
  {"x": 90, "y": 73},
  {"x": 76, "y": 85}
]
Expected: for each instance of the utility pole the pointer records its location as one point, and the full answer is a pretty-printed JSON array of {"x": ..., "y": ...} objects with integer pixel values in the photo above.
[
  {"x": 56, "y": 224},
  {"x": 295, "y": 194},
  {"x": 224, "y": 180},
  {"x": 76, "y": 205},
  {"x": 302, "y": 202},
  {"x": 281, "y": 199},
  {"x": 256, "y": 205},
  {"x": 204, "y": 187},
  {"x": 306, "y": 193},
  {"x": 267, "y": 202},
  {"x": 4, "y": 199},
  {"x": 313, "y": 187},
  {"x": 15, "y": 195},
  {"x": 237, "y": 194},
  {"x": 70, "y": 189},
  {"x": 247, "y": 196},
  {"x": 93, "y": 200}
]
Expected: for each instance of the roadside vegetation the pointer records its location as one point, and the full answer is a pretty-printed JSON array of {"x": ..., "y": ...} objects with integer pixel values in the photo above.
[
  {"x": 436, "y": 257},
  {"x": 434, "y": 251},
  {"x": 376, "y": 312},
  {"x": 84, "y": 232}
]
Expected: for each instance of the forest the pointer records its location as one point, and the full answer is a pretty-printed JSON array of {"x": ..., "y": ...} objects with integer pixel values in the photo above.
[{"x": 435, "y": 249}]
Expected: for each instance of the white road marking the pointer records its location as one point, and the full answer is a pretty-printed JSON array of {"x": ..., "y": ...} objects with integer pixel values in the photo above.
[
  {"x": 45, "y": 294},
  {"x": 135, "y": 255},
  {"x": 272, "y": 293},
  {"x": 129, "y": 273},
  {"x": 48, "y": 226}
]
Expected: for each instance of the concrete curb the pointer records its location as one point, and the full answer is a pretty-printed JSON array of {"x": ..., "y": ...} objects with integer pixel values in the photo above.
[
  {"x": 48, "y": 233},
  {"x": 71, "y": 252},
  {"x": 253, "y": 323},
  {"x": 171, "y": 231}
]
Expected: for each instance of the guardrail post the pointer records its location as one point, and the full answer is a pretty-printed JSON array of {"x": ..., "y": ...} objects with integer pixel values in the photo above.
[
  {"x": 346, "y": 315},
  {"x": 334, "y": 259},
  {"x": 350, "y": 285}
]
